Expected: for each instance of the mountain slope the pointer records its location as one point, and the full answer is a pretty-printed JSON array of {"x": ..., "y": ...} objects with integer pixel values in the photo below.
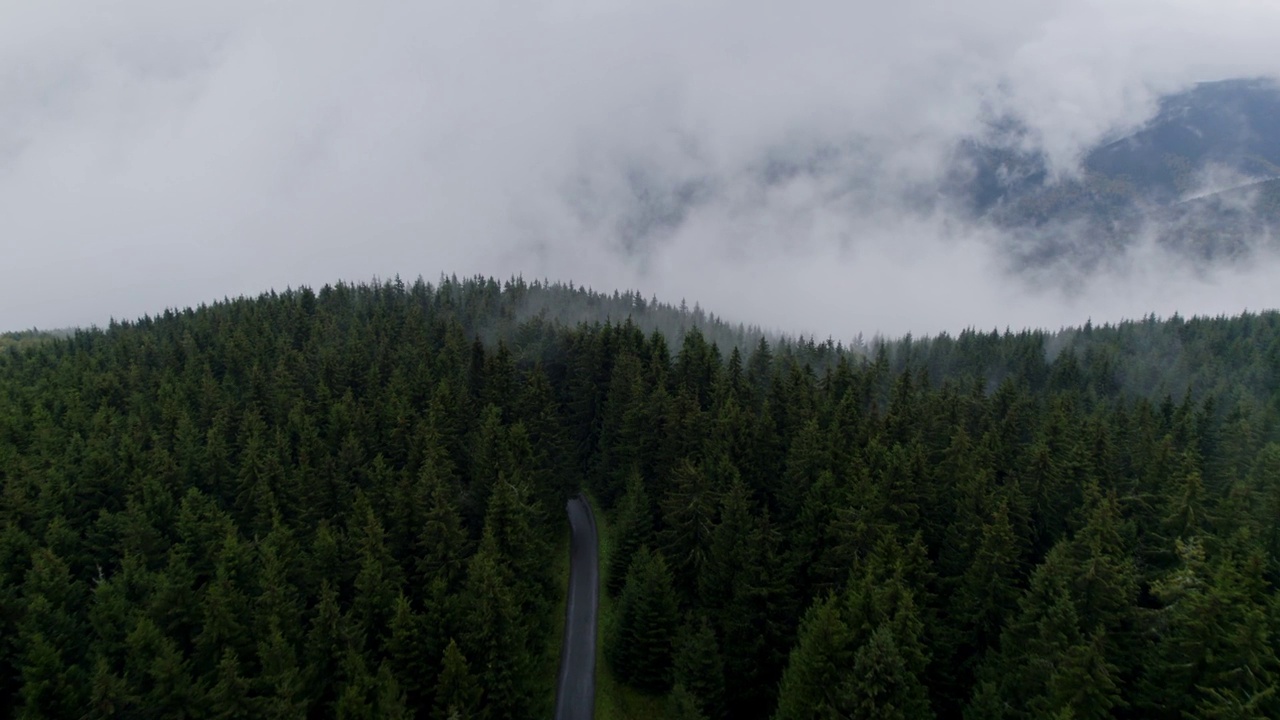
[
  {"x": 330, "y": 503},
  {"x": 1195, "y": 178}
]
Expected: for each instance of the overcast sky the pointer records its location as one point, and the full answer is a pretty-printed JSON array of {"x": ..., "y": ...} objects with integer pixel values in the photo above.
[{"x": 157, "y": 154}]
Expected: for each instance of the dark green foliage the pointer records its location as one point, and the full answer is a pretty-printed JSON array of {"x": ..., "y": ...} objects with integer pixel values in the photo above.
[
  {"x": 862, "y": 653},
  {"x": 289, "y": 506},
  {"x": 1066, "y": 648},
  {"x": 495, "y": 635},
  {"x": 688, "y": 518},
  {"x": 881, "y": 684},
  {"x": 1216, "y": 649},
  {"x": 31, "y": 338},
  {"x": 683, "y": 705},
  {"x": 229, "y": 697},
  {"x": 442, "y": 542},
  {"x": 267, "y": 507},
  {"x": 698, "y": 668},
  {"x": 458, "y": 695},
  {"x": 634, "y": 529},
  {"x": 816, "y": 665},
  {"x": 410, "y": 651},
  {"x": 281, "y": 682},
  {"x": 641, "y": 646},
  {"x": 744, "y": 589}
]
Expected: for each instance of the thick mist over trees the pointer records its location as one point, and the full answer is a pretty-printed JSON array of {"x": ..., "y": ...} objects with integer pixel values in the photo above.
[{"x": 156, "y": 156}]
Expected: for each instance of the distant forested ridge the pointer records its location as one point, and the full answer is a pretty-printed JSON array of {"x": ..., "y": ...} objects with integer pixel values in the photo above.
[
  {"x": 28, "y": 338},
  {"x": 1199, "y": 178},
  {"x": 349, "y": 503}
]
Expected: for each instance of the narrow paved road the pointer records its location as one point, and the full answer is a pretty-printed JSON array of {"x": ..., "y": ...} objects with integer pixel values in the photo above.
[{"x": 576, "y": 693}]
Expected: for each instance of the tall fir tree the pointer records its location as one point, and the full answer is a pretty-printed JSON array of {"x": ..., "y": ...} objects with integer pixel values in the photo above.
[{"x": 641, "y": 644}]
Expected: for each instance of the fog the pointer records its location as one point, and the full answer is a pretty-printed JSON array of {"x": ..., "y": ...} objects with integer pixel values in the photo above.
[{"x": 774, "y": 162}]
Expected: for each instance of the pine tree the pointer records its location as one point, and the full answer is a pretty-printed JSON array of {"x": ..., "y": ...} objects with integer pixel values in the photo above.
[
  {"x": 1264, "y": 505},
  {"x": 278, "y": 605},
  {"x": 158, "y": 673},
  {"x": 1186, "y": 515},
  {"x": 51, "y": 639},
  {"x": 409, "y": 656},
  {"x": 881, "y": 685},
  {"x": 745, "y": 589},
  {"x": 495, "y": 636},
  {"x": 229, "y": 698},
  {"x": 442, "y": 544},
  {"x": 620, "y": 431},
  {"x": 698, "y": 669},
  {"x": 808, "y": 456},
  {"x": 281, "y": 683},
  {"x": 683, "y": 705},
  {"x": 688, "y": 516},
  {"x": 1084, "y": 683},
  {"x": 354, "y": 702},
  {"x": 389, "y": 702},
  {"x": 259, "y": 475},
  {"x": 379, "y": 578},
  {"x": 457, "y": 693},
  {"x": 511, "y": 523},
  {"x": 50, "y": 687},
  {"x": 730, "y": 553},
  {"x": 1085, "y": 586},
  {"x": 330, "y": 639},
  {"x": 634, "y": 528},
  {"x": 881, "y": 598},
  {"x": 541, "y": 416},
  {"x": 1215, "y": 648},
  {"x": 640, "y": 649},
  {"x": 488, "y": 459},
  {"x": 985, "y": 595},
  {"x": 109, "y": 694},
  {"x": 817, "y": 664}
]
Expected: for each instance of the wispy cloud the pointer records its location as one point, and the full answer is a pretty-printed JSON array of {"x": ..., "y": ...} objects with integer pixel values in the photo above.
[{"x": 774, "y": 162}]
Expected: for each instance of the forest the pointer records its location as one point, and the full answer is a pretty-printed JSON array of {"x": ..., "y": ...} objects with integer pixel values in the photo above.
[
  {"x": 30, "y": 338},
  {"x": 349, "y": 503}
]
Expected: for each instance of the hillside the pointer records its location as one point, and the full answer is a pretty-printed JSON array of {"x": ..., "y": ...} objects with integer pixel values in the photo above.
[
  {"x": 346, "y": 503},
  {"x": 1196, "y": 177},
  {"x": 30, "y": 338}
]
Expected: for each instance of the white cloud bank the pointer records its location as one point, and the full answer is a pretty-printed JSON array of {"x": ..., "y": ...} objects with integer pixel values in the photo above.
[{"x": 158, "y": 154}]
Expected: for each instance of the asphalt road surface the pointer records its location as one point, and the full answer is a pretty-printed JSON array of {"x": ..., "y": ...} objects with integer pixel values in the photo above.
[{"x": 576, "y": 693}]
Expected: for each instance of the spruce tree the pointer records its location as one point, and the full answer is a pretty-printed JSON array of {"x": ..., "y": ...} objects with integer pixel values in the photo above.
[
  {"x": 442, "y": 544},
  {"x": 634, "y": 529},
  {"x": 641, "y": 644},
  {"x": 1216, "y": 649},
  {"x": 457, "y": 694},
  {"x": 408, "y": 655},
  {"x": 281, "y": 683},
  {"x": 683, "y": 705},
  {"x": 688, "y": 517},
  {"x": 495, "y": 636},
  {"x": 379, "y": 577},
  {"x": 881, "y": 684},
  {"x": 817, "y": 664},
  {"x": 229, "y": 698},
  {"x": 698, "y": 667}
]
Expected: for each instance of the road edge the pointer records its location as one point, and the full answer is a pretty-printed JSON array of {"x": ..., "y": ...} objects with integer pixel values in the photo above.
[
  {"x": 582, "y": 499},
  {"x": 595, "y": 597}
]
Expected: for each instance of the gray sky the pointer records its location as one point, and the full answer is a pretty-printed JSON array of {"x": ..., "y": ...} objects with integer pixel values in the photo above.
[{"x": 157, "y": 154}]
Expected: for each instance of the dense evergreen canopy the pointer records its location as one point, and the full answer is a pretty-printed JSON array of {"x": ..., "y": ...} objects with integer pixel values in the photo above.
[{"x": 348, "y": 503}]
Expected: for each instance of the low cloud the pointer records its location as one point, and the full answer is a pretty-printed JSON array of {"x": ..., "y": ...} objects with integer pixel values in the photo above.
[{"x": 778, "y": 165}]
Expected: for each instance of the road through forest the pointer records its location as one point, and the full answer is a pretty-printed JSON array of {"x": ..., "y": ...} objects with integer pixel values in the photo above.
[{"x": 576, "y": 689}]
